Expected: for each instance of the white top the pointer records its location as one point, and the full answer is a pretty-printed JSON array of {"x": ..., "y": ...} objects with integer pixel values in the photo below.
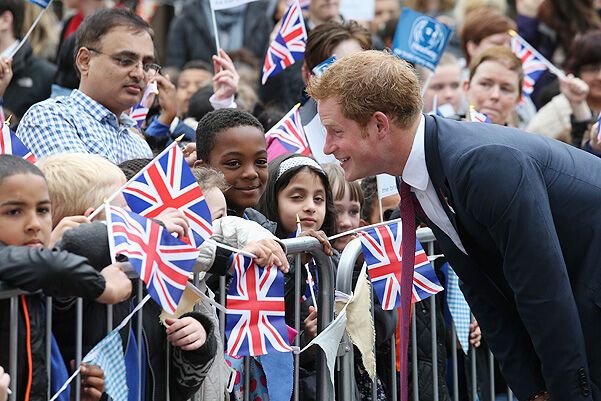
[{"x": 415, "y": 174}]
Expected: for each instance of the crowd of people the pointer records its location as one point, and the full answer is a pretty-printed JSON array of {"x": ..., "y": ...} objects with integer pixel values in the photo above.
[{"x": 72, "y": 85}]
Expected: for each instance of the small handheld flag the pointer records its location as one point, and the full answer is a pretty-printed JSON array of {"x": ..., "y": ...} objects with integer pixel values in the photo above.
[
  {"x": 255, "y": 323},
  {"x": 163, "y": 262},
  {"x": 478, "y": 117},
  {"x": 287, "y": 136},
  {"x": 140, "y": 110},
  {"x": 289, "y": 44},
  {"x": 168, "y": 182},
  {"x": 10, "y": 144},
  {"x": 532, "y": 65}
]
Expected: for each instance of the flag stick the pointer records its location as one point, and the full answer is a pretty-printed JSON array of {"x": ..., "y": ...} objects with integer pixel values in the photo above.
[
  {"x": 215, "y": 32},
  {"x": 139, "y": 173},
  {"x": 560, "y": 74},
  {"x": 356, "y": 230},
  {"x": 31, "y": 28}
]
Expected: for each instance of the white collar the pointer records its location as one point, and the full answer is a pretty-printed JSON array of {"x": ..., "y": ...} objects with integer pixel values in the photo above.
[{"x": 415, "y": 172}]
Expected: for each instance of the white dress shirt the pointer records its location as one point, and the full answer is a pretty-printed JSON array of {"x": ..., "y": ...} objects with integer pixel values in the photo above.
[{"x": 415, "y": 174}]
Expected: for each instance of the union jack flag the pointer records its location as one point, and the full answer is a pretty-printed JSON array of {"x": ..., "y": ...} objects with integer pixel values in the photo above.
[
  {"x": 168, "y": 182},
  {"x": 10, "y": 144},
  {"x": 254, "y": 323},
  {"x": 140, "y": 110},
  {"x": 382, "y": 250},
  {"x": 304, "y": 4},
  {"x": 287, "y": 136},
  {"x": 532, "y": 65},
  {"x": 289, "y": 44},
  {"x": 163, "y": 262},
  {"x": 478, "y": 117}
]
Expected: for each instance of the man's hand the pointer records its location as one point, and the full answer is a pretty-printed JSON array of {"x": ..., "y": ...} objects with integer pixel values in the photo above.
[
  {"x": 4, "y": 383},
  {"x": 576, "y": 91},
  {"x": 475, "y": 334},
  {"x": 175, "y": 221},
  {"x": 186, "y": 333},
  {"x": 268, "y": 252},
  {"x": 167, "y": 99},
  {"x": 65, "y": 224},
  {"x": 92, "y": 382},
  {"x": 311, "y": 323},
  {"x": 226, "y": 78},
  {"x": 6, "y": 74},
  {"x": 118, "y": 286}
]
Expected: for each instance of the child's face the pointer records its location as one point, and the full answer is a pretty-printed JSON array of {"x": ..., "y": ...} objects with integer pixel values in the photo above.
[
  {"x": 241, "y": 155},
  {"x": 348, "y": 217},
  {"x": 305, "y": 195},
  {"x": 389, "y": 203},
  {"x": 216, "y": 203},
  {"x": 188, "y": 82},
  {"x": 25, "y": 216}
]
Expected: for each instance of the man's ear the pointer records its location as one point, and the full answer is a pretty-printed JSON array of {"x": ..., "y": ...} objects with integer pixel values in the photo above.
[
  {"x": 82, "y": 61},
  {"x": 382, "y": 124}
]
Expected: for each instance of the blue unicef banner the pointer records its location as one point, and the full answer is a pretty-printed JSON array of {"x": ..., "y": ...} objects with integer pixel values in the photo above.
[{"x": 420, "y": 39}]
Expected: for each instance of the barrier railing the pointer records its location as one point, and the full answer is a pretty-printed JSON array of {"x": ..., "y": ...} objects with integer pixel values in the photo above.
[{"x": 346, "y": 385}]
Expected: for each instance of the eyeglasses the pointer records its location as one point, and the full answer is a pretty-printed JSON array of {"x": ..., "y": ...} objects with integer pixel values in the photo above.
[{"x": 127, "y": 61}]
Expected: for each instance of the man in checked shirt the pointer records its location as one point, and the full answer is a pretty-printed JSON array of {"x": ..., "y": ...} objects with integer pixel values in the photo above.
[{"x": 115, "y": 59}]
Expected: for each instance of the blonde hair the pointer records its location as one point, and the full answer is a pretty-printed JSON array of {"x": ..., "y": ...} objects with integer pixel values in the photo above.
[
  {"x": 78, "y": 181},
  {"x": 209, "y": 178},
  {"x": 370, "y": 81}
]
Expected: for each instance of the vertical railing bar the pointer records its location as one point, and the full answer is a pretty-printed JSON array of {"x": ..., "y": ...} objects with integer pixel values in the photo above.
[
  {"x": 491, "y": 373},
  {"x": 297, "y": 289},
  {"x": 509, "y": 394},
  {"x": 374, "y": 383},
  {"x": 78, "y": 344},
  {"x": 393, "y": 381},
  {"x": 14, "y": 344},
  {"x": 222, "y": 302},
  {"x": 48, "y": 344},
  {"x": 454, "y": 363},
  {"x": 109, "y": 318},
  {"x": 139, "y": 338},
  {"x": 247, "y": 378},
  {"x": 473, "y": 369},
  {"x": 434, "y": 337},
  {"x": 414, "y": 356}
]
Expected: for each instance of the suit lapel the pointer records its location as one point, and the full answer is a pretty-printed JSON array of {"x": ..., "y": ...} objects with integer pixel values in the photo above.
[{"x": 435, "y": 170}]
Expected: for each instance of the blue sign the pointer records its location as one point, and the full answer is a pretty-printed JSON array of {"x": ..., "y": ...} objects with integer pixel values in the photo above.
[
  {"x": 420, "y": 39},
  {"x": 320, "y": 68}
]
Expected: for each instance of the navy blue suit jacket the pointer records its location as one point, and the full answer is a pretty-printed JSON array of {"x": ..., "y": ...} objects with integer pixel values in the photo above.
[{"x": 528, "y": 212}]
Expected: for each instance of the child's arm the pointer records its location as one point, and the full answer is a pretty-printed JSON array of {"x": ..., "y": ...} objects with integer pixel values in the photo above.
[
  {"x": 60, "y": 273},
  {"x": 194, "y": 349}
]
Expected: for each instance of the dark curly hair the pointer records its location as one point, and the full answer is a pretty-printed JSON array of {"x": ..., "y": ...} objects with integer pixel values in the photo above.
[
  {"x": 268, "y": 204},
  {"x": 217, "y": 121}
]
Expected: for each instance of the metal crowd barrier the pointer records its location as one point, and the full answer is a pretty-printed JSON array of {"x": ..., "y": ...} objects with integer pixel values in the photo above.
[
  {"x": 345, "y": 364},
  {"x": 346, "y": 379},
  {"x": 295, "y": 246}
]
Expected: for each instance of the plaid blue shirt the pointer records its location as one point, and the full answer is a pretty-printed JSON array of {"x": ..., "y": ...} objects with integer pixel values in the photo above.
[{"x": 79, "y": 124}]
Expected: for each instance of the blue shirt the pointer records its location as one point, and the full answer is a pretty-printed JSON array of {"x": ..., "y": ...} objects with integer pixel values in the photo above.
[{"x": 79, "y": 124}]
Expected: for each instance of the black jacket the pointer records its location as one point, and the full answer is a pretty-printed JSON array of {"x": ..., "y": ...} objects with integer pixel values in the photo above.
[
  {"x": 190, "y": 34},
  {"x": 187, "y": 369},
  {"x": 55, "y": 273},
  {"x": 31, "y": 83}
]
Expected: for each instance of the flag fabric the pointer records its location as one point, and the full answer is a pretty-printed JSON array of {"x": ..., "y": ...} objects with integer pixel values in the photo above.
[
  {"x": 41, "y": 3},
  {"x": 169, "y": 182},
  {"x": 289, "y": 44},
  {"x": 255, "y": 320},
  {"x": 599, "y": 128},
  {"x": 382, "y": 250},
  {"x": 304, "y": 4},
  {"x": 425, "y": 281},
  {"x": 532, "y": 65},
  {"x": 287, "y": 136},
  {"x": 478, "y": 117},
  {"x": 108, "y": 355},
  {"x": 163, "y": 262},
  {"x": 420, "y": 39},
  {"x": 140, "y": 110},
  {"x": 10, "y": 144},
  {"x": 320, "y": 68}
]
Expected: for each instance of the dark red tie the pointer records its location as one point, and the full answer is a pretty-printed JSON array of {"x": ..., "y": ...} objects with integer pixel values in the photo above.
[{"x": 408, "y": 244}]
